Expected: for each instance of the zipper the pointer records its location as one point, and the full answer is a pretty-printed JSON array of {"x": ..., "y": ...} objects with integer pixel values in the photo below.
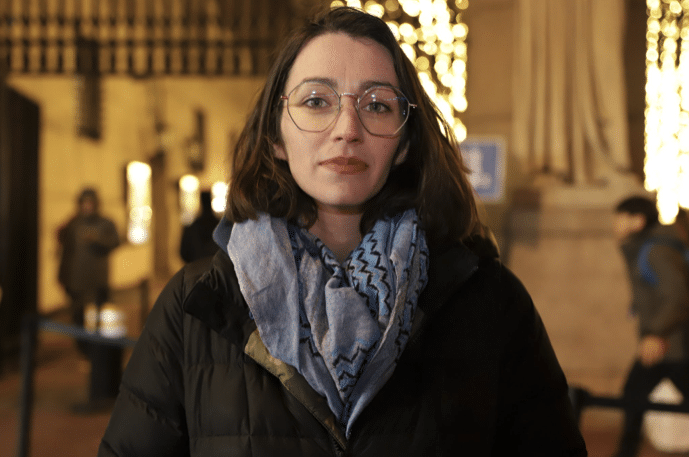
[
  {"x": 338, "y": 449},
  {"x": 259, "y": 353}
]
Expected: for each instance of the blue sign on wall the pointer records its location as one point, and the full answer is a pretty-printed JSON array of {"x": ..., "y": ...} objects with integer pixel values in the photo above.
[{"x": 485, "y": 157}]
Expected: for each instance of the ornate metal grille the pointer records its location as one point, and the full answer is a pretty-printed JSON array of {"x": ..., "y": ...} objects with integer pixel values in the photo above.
[{"x": 142, "y": 37}]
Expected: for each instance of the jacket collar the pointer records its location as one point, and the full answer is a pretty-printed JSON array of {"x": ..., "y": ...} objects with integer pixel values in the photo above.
[
  {"x": 450, "y": 267},
  {"x": 216, "y": 300},
  {"x": 222, "y": 232}
]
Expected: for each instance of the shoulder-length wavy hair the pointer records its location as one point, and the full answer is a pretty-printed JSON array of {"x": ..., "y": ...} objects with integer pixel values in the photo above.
[{"x": 432, "y": 179}]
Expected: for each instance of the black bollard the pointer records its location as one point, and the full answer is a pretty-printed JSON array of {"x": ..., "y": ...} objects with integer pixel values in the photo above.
[
  {"x": 106, "y": 373},
  {"x": 28, "y": 345}
]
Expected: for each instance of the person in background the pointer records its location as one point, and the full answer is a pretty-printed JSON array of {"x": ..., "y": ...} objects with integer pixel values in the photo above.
[
  {"x": 197, "y": 238},
  {"x": 86, "y": 242},
  {"x": 345, "y": 314},
  {"x": 659, "y": 279},
  {"x": 682, "y": 225}
]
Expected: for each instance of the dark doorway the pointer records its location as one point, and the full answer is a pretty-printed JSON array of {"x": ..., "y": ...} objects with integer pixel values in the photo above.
[{"x": 19, "y": 130}]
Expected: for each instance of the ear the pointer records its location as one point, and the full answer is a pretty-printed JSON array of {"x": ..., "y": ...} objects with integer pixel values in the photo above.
[
  {"x": 402, "y": 155},
  {"x": 279, "y": 151}
]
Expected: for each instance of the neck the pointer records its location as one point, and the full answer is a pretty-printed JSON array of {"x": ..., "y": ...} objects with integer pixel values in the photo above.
[{"x": 339, "y": 231}]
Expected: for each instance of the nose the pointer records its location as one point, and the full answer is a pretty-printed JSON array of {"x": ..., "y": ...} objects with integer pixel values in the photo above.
[{"x": 347, "y": 125}]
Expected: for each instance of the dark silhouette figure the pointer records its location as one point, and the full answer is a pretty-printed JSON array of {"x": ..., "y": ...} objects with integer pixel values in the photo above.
[
  {"x": 87, "y": 240},
  {"x": 197, "y": 238}
]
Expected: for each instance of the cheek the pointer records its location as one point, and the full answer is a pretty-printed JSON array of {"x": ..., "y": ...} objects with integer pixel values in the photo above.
[
  {"x": 391, "y": 157},
  {"x": 294, "y": 141}
]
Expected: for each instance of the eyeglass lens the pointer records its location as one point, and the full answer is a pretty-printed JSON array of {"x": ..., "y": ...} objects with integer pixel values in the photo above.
[{"x": 314, "y": 106}]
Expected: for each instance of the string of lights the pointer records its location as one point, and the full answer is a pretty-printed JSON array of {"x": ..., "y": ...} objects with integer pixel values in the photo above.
[
  {"x": 666, "y": 165},
  {"x": 433, "y": 36}
]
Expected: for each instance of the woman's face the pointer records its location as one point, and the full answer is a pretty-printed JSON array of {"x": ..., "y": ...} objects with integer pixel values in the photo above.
[{"x": 343, "y": 166}]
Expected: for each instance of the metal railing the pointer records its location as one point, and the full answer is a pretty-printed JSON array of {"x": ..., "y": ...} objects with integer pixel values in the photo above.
[
  {"x": 30, "y": 326},
  {"x": 581, "y": 398}
]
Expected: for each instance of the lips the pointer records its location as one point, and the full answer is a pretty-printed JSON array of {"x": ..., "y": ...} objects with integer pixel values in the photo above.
[{"x": 345, "y": 165}]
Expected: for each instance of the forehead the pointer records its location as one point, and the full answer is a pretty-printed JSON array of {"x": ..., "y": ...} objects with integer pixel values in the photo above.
[
  {"x": 349, "y": 62},
  {"x": 622, "y": 217}
]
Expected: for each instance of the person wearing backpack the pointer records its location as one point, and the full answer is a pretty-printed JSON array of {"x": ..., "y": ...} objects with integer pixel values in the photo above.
[{"x": 658, "y": 265}]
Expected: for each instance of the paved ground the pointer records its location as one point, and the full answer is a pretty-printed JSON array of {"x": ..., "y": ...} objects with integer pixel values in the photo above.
[{"x": 62, "y": 380}]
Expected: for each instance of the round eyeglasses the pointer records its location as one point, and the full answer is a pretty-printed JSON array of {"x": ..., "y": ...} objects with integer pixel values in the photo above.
[{"x": 314, "y": 106}]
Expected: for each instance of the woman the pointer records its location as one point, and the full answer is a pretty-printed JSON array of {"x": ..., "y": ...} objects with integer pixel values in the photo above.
[{"x": 346, "y": 314}]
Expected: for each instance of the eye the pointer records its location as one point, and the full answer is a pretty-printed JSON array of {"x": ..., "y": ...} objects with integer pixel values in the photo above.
[
  {"x": 377, "y": 107},
  {"x": 316, "y": 102},
  {"x": 380, "y": 101}
]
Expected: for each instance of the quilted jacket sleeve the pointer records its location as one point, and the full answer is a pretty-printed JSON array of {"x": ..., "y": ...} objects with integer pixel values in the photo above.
[
  {"x": 148, "y": 418},
  {"x": 537, "y": 418}
]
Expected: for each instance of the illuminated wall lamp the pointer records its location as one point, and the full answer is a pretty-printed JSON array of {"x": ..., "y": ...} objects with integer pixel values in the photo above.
[
  {"x": 138, "y": 202},
  {"x": 219, "y": 197},
  {"x": 189, "y": 198}
]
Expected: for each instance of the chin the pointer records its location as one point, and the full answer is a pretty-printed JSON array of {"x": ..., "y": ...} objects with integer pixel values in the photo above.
[
  {"x": 341, "y": 204},
  {"x": 340, "y": 208}
]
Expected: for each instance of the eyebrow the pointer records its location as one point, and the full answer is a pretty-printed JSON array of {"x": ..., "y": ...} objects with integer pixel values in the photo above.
[{"x": 363, "y": 86}]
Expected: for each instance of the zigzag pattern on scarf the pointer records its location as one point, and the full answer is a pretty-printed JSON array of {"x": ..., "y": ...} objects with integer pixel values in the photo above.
[
  {"x": 370, "y": 272},
  {"x": 402, "y": 338},
  {"x": 370, "y": 277},
  {"x": 306, "y": 335},
  {"x": 346, "y": 368},
  {"x": 412, "y": 297}
]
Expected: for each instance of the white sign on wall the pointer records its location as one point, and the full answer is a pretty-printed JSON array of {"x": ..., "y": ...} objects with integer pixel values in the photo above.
[{"x": 485, "y": 157}]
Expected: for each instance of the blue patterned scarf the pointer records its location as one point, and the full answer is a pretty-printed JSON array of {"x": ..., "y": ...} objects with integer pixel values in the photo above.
[{"x": 342, "y": 326}]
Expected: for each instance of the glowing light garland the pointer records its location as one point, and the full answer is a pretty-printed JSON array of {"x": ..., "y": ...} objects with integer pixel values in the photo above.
[
  {"x": 667, "y": 105},
  {"x": 433, "y": 36}
]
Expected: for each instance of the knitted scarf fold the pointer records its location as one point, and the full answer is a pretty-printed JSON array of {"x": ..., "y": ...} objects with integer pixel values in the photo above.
[{"x": 342, "y": 326}]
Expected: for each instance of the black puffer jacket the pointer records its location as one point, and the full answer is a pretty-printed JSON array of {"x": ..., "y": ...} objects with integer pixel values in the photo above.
[{"x": 478, "y": 378}]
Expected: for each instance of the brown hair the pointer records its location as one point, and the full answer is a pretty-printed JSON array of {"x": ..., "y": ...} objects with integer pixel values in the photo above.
[
  {"x": 432, "y": 179},
  {"x": 638, "y": 204}
]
